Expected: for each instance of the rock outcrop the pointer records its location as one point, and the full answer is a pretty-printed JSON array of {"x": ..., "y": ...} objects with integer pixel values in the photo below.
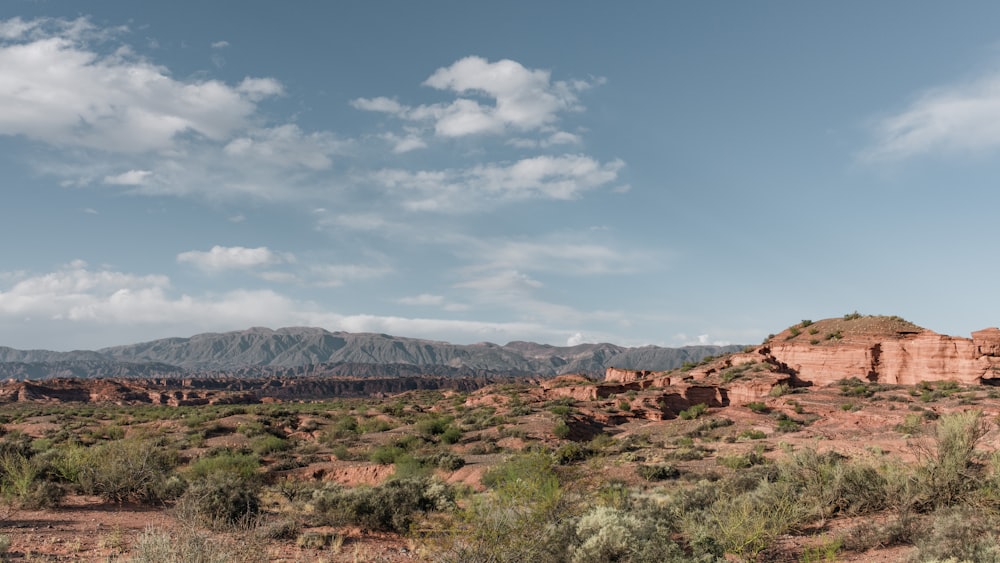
[{"x": 882, "y": 349}]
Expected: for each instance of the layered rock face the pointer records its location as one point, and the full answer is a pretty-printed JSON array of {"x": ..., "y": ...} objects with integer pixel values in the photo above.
[{"x": 905, "y": 358}]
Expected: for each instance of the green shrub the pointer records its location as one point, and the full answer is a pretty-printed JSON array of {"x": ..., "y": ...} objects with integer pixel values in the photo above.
[
  {"x": 23, "y": 484},
  {"x": 221, "y": 500},
  {"x": 657, "y": 472},
  {"x": 779, "y": 390},
  {"x": 449, "y": 461},
  {"x": 268, "y": 444},
  {"x": 434, "y": 426},
  {"x": 570, "y": 452},
  {"x": 610, "y": 534},
  {"x": 758, "y": 407},
  {"x": 390, "y": 507},
  {"x": 243, "y": 465},
  {"x": 751, "y": 435},
  {"x": 386, "y": 455},
  {"x": 524, "y": 516},
  {"x": 747, "y": 525},
  {"x": 561, "y": 430},
  {"x": 694, "y": 411},
  {"x": 949, "y": 470},
  {"x": 127, "y": 470},
  {"x": 452, "y": 435},
  {"x": 961, "y": 534},
  {"x": 741, "y": 461}
]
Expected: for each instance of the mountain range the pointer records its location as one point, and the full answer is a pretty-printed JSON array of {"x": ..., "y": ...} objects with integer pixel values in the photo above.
[{"x": 263, "y": 351}]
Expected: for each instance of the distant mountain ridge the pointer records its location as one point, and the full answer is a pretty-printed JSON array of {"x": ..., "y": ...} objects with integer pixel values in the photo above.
[{"x": 266, "y": 350}]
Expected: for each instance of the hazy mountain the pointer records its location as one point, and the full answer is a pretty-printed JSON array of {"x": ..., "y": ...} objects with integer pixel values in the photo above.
[
  {"x": 289, "y": 347},
  {"x": 262, "y": 352}
]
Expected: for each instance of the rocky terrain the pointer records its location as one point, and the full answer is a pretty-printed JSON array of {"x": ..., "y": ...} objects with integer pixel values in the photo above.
[{"x": 862, "y": 438}]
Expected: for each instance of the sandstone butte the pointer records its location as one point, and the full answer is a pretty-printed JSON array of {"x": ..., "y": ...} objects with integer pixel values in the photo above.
[{"x": 879, "y": 349}]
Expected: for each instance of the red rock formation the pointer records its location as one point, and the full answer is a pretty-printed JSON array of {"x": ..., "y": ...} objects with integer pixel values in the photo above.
[
  {"x": 905, "y": 357},
  {"x": 617, "y": 375},
  {"x": 745, "y": 391}
]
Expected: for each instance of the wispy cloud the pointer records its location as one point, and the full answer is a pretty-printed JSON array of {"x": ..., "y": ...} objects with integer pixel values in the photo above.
[
  {"x": 957, "y": 119},
  {"x": 473, "y": 189},
  {"x": 129, "y": 178},
  {"x": 429, "y": 300},
  {"x": 221, "y": 258}
]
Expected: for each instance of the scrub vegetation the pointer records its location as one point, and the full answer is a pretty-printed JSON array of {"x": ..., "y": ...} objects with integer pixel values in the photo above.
[{"x": 454, "y": 477}]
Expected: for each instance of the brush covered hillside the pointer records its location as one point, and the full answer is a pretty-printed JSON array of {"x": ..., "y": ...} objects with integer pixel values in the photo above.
[
  {"x": 781, "y": 452},
  {"x": 262, "y": 352}
]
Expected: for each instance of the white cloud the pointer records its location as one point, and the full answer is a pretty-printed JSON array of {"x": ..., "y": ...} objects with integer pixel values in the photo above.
[
  {"x": 404, "y": 143},
  {"x": 220, "y": 44},
  {"x": 59, "y": 90},
  {"x": 259, "y": 88},
  {"x": 508, "y": 281},
  {"x": 700, "y": 340},
  {"x": 336, "y": 275},
  {"x": 221, "y": 258},
  {"x": 963, "y": 118},
  {"x": 428, "y": 300},
  {"x": 576, "y": 339},
  {"x": 455, "y": 191},
  {"x": 286, "y": 146},
  {"x": 522, "y": 99},
  {"x": 424, "y": 299},
  {"x": 90, "y": 308},
  {"x": 130, "y": 178},
  {"x": 379, "y": 104},
  {"x": 562, "y": 255},
  {"x": 555, "y": 139},
  {"x": 90, "y": 211},
  {"x": 278, "y": 277}
]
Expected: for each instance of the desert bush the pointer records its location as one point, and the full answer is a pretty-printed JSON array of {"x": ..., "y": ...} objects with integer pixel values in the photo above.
[
  {"x": 243, "y": 465},
  {"x": 434, "y": 425},
  {"x": 319, "y": 540},
  {"x": 963, "y": 533},
  {"x": 693, "y": 412},
  {"x": 788, "y": 425},
  {"x": 191, "y": 546},
  {"x": 266, "y": 444},
  {"x": 779, "y": 390},
  {"x": 746, "y": 525},
  {"x": 949, "y": 470},
  {"x": 131, "y": 469},
  {"x": 570, "y": 452},
  {"x": 609, "y": 534},
  {"x": 657, "y": 472},
  {"x": 758, "y": 407},
  {"x": 561, "y": 430},
  {"x": 741, "y": 461},
  {"x": 23, "y": 484},
  {"x": 448, "y": 461},
  {"x": 220, "y": 500},
  {"x": 386, "y": 455},
  {"x": 829, "y": 484},
  {"x": 390, "y": 507},
  {"x": 451, "y": 435},
  {"x": 911, "y": 424},
  {"x": 17, "y": 443},
  {"x": 525, "y": 516}
]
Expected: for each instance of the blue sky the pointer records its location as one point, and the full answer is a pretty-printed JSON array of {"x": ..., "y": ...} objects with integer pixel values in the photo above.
[{"x": 641, "y": 173}]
